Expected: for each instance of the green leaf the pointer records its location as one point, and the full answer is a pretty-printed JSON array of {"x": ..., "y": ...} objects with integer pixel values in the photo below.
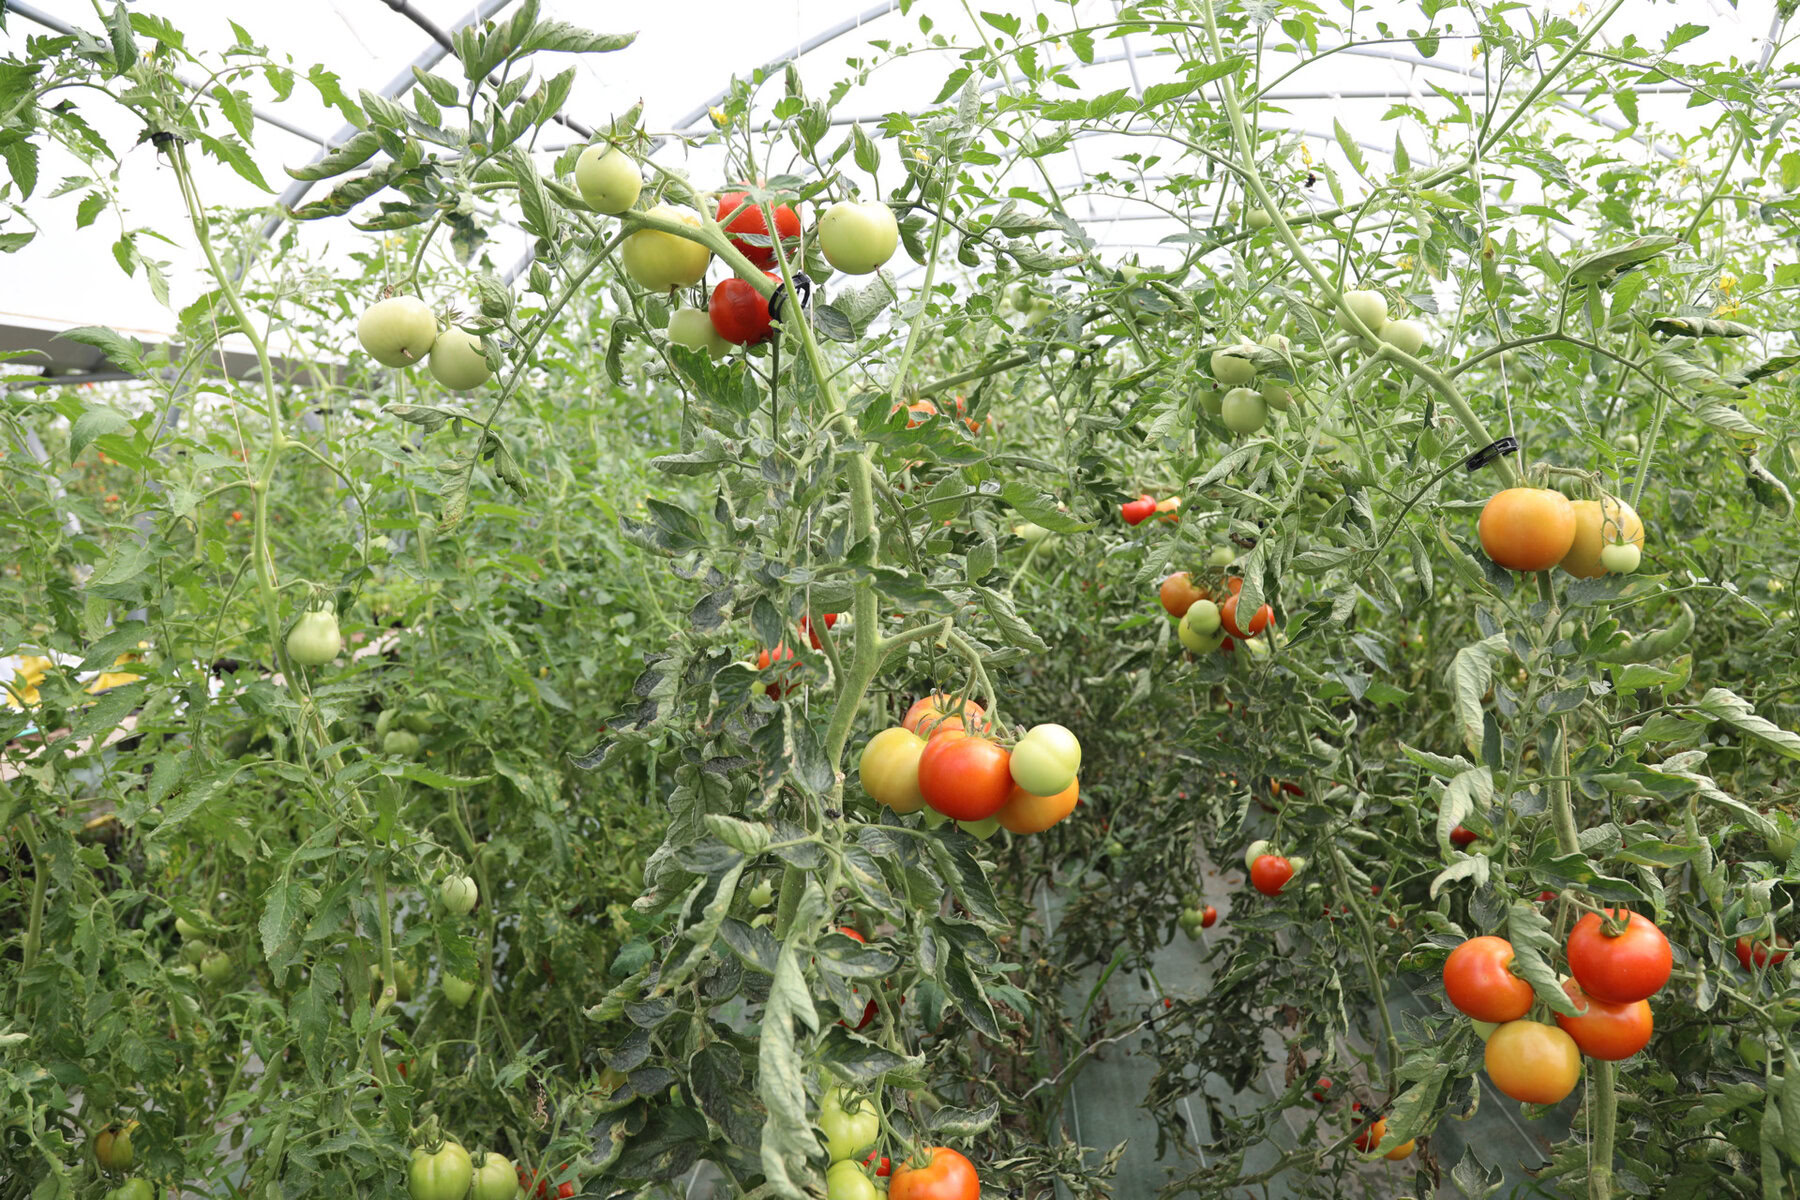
[
  {"x": 1723, "y": 704},
  {"x": 347, "y": 157},
  {"x": 96, "y": 421},
  {"x": 1471, "y": 671}
]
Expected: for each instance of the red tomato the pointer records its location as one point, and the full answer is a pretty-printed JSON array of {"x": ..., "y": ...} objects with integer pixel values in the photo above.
[
  {"x": 946, "y": 1175},
  {"x": 1462, "y": 836},
  {"x": 880, "y": 1171},
  {"x": 1270, "y": 873},
  {"x": 872, "y": 1008},
  {"x": 830, "y": 622},
  {"x": 1259, "y": 621},
  {"x": 1138, "y": 511},
  {"x": 1759, "y": 954},
  {"x": 965, "y": 776},
  {"x": 1321, "y": 1088},
  {"x": 1209, "y": 916},
  {"x": 787, "y": 225},
  {"x": 1631, "y": 966},
  {"x": 1479, "y": 981},
  {"x": 739, "y": 313},
  {"x": 1608, "y": 1031}
]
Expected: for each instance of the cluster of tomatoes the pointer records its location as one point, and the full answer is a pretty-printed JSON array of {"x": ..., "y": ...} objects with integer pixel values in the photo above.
[
  {"x": 852, "y": 1128},
  {"x": 446, "y": 1172},
  {"x": 780, "y": 666},
  {"x": 1269, "y": 871},
  {"x": 1207, "y": 620},
  {"x": 1534, "y": 529},
  {"x": 856, "y": 237},
  {"x": 941, "y": 757},
  {"x": 1617, "y": 961}
]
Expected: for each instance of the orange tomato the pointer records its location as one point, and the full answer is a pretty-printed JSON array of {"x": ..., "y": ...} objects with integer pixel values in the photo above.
[
  {"x": 946, "y": 1175},
  {"x": 1527, "y": 529},
  {"x": 1028, "y": 813},
  {"x": 1178, "y": 594},
  {"x": 1479, "y": 981},
  {"x": 938, "y": 713},
  {"x": 1598, "y": 524},
  {"x": 1533, "y": 1062}
]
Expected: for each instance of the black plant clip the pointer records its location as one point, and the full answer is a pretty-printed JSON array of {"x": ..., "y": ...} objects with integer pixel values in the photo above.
[
  {"x": 803, "y": 287},
  {"x": 1491, "y": 452}
]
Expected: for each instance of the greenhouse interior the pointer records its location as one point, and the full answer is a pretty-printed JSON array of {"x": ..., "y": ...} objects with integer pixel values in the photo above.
[{"x": 927, "y": 599}]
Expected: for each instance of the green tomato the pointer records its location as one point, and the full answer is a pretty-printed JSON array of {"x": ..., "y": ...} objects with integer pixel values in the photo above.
[
  {"x": 398, "y": 331},
  {"x": 314, "y": 640},
  {"x": 216, "y": 967},
  {"x": 762, "y": 894},
  {"x": 1408, "y": 337},
  {"x": 1032, "y": 533},
  {"x": 1203, "y": 617},
  {"x": 1221, "y": 556},
  {"x": 456, "y": 991},
  {"x": 1046, "y": 760},
  {"x": 693, "y": 328},
  {"x": 659, "y": 261},
  {"x": 459, "y": 894},
  {"x": 383, "y": 723},
  {"x": 608, "y": 179},
  {"x": 1258, "y": 218},
  {"x": 848, "y": 1181},
  {"x": 457, "y": 361},
  {"x": 858, "y": 237},
  {"x": 1277, "y": 396},
  {"x": 188, "y": 929},
  {"x": 1621, "y": 558},
  {"x": 981, "y": 830},
  {"x": 401, "y": 743},
  {"x": 1627, "y": 442},
  {"x": 848, "y": 1132},
  {"x": 1369, "y": 305},
  {"x": 1484, "y": 1029},
  {"x": 441, "y": 1175},
  {"x": 195, "y": 950},
  {"x": 495, "y": 1179},
  {"x": 133, "y": 1189},
  {"x": 1243, "y": 411},
  {"x": 112, "y": 1147},
  {"x": 1115, "y": 848},
  {"x": 1210, "y": 401},
  {"x": 1256, "y": 850},
  {"x": 1232, "y": 366}
]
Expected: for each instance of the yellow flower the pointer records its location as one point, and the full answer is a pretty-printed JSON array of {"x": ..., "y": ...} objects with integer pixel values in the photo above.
[
  {"x": 718, "y": 116},
  {"x": 22, "y": 688},
  {"x": 1306, "y": 154},
  {"x": 1727, "y": 282},
  {"x": 1405, "y": 263},
  {"x": 1727, "y": 308}
]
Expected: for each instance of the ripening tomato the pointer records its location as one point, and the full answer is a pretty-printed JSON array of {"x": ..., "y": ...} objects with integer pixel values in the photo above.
[
  {"x": 751, "y": 221},
  {"x": 1169, "y": 510},
  {"x": 889, "y": 769},
  {"x": 1533, "y": 1062},
  {"x": 1270, "y": 873},
  {"x": 1760, "y": 954},
  {"x": 1027, "y": 812},
  {"x": 1480, "y": 983},
  {"x": 965, "y": 776},
  {"x": 945, "y": 1175},
  {"x": 1527, "y": 529},
  {"x": 112, "y": 1147},
  {"x": 938, "y": 713},
  {"x": 1632, "y": 966},
  {"x": 1605, "y": 1030},
  {"x": 739, "y": 312},
  {"x": 1178, "y": 594},
  {"x": 1262, "y": 619},
  {"x": 782, "y": 659},
  {"x": 1404, "y": 1149},
  {"x": 1138, "y": 511}
]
